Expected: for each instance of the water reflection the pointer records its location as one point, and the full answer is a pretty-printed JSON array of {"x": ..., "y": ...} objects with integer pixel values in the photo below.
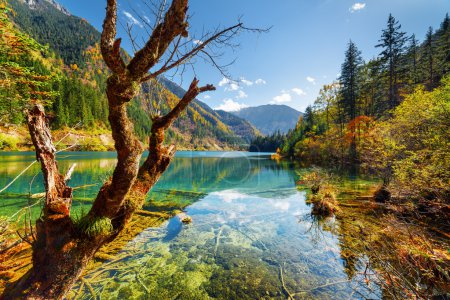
[{"x": 245, "y": 241}]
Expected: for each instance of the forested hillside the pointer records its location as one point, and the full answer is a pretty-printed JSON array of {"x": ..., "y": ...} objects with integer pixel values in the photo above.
[
  {"x": 68, "y": 36},
  {"x": 65, "y": 49},
  {"x": 389, "y": 115}
]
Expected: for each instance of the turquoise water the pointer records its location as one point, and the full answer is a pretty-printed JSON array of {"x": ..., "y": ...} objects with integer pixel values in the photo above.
[{"x": 251, "y": 237}]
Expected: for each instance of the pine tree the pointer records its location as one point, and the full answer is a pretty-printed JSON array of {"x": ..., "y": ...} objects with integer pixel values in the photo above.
[
  {"x": 350, "y": 88},
  {"x": 429, "y": 57},
  {"x": 308, "y": 119},
  {"x": 443, "y": 46},
  {"x": 393, "y": 43},
  {"x": 349, "y": 81},
  {"x": 412, "y": 59}
]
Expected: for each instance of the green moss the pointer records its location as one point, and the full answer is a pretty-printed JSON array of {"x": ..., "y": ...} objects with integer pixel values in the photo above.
[
  {"x": 126, "y": 292},
  {"x": 93, "y": 226}
]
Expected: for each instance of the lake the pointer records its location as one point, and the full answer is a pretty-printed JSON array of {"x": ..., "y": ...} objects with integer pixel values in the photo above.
[{"x": 252, "y": 235}]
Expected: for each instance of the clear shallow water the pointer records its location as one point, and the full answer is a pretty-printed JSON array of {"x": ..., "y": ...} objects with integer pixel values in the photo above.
[{"x": 251, "y": 236}]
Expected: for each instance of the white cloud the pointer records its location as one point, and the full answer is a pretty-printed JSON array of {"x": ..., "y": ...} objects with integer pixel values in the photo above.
[
  {"x": 246, "y": 82},
  {"x": 357, "y": 6},
  {"x": 229, "y": 196},
  {"x": 206, "y": 97},
  {"x": 224, "y": 81},
  {"x": 132, "y": 19},
  {"x": 241, "y": 94},
  {"x": 283, "y": 98},
  {"x": 311, "y": 79},
  {"x": 280, "y": 204},
  {"x": 230, "y": 105},
  {"x": 197, "y": 42},
  {"x": 229, "y": 84},
  {"x": 298, "y": 91},
  {"x": 232, "y": 87}
]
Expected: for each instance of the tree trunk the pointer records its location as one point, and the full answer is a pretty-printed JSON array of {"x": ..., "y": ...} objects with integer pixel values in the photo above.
[
  {"x": 57, "y": 243},
  {"x": 62, "y": 246}
]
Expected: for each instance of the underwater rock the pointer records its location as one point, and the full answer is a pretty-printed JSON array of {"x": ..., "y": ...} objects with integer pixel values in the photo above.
[
  {"x": 173, "y": 229},
  {"x": 186, "y": 220}
]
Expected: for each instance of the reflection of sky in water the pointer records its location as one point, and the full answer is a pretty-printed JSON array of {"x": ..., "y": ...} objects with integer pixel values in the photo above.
[
  {"x": 248, "y": 225},
  {"x": 245, "y": 221}
]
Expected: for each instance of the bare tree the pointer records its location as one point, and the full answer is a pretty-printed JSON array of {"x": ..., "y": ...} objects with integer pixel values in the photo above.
[{"x": 63, "y": 247}]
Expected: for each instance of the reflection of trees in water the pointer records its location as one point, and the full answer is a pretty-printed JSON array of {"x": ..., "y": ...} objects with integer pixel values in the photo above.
[
  {"x": 211, "y": 174},
  {"x": 86, "y": 172},
  {"x": 193, "y": 174},
  {"x": 372, "y": 245}
]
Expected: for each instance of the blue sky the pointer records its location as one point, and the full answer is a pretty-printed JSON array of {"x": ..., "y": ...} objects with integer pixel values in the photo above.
[{"x": 303, "y": 50}]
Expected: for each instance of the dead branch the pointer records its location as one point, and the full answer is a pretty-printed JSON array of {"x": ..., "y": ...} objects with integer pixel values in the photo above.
[
  {"x": 17, "y": 177},
  {"x": 58, "y": 194},
  {"x": 69, "y": 172},
  {"x": 174, "y": 24},
  {"x": 59, "y": 242},
  {"x": 185, "y": 57}
]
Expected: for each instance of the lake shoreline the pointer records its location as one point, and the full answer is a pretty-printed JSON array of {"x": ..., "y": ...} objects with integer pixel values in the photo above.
[{"x": 98, "y": 139}]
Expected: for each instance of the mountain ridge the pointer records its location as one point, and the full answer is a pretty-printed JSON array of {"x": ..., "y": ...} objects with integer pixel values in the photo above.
[
  {"x": 49, "y": 23},
  {"x": 34, "y": 4},
  {"x": 270, "y": 118}
]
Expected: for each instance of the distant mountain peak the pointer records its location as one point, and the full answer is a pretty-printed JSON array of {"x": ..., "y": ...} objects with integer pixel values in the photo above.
[
  {"x": 270, "y": 118},
  {"x": 35, "y": 4}
]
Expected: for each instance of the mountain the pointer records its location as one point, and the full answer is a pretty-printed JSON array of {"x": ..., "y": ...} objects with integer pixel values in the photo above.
[
  {"x": 270, "y": 118},
  {"x": 241, "y": 128},
  {"x": 73, "y": 46},
  {"x": 36, "y": 4},
  {"x": 49, "y": 23}
]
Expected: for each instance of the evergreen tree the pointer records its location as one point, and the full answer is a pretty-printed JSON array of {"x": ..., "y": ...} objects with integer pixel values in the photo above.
[
  {"x": 443, "y": 46},
  {"x": 429, "y": 57},
  {"x": 350, "y": 87},
  {"x": 269, "y": 143},
  {"x": 349, "y": 81},
  {"x": 308, "y": 119},
  {"x": 412, "y": 60},
  {"x": 23, "y": 79},
  {"x": 393, "y": 43}
]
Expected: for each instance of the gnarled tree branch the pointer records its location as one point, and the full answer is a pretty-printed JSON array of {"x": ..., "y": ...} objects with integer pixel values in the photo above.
[
  {"x": 110, "y": 47},
  {"x": 159, "y": 155},
  {"x": 185, "y": 57},
  {"x": 174, "y": 24}
]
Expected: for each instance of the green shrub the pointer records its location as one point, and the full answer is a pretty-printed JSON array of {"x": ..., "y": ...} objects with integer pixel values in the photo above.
[{"x": 8, "y": 142}]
